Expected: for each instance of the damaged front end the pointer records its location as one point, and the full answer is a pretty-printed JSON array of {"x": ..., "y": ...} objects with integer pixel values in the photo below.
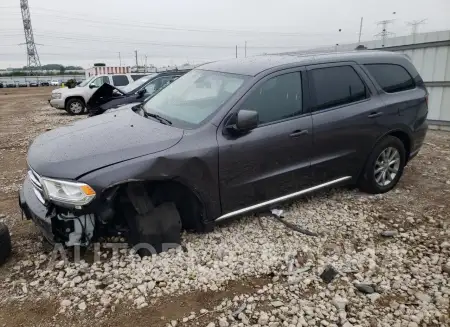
[
  {"x": 58, "y": 208},
  {"x": 104, "y": 94}
]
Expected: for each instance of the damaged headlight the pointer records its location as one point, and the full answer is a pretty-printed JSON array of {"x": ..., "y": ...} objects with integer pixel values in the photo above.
[
  {"x": 72, "y": 193},
  {"x": 56, "y": 95}
]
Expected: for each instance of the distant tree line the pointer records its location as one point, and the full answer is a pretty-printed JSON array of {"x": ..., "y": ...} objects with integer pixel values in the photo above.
[
  {"x": 49, "y": 69},
  {"x": 27, "y": 73}
]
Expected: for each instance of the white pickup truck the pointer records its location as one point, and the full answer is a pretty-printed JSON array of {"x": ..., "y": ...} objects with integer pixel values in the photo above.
[{"x": 74, "y": 100}]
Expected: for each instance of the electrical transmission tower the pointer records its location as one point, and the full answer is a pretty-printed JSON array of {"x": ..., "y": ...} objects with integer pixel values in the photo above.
[
  {"x": 415, "y": 25},
  {"x": 32, "y": 55},
  {"x": 384, "y": 34}
]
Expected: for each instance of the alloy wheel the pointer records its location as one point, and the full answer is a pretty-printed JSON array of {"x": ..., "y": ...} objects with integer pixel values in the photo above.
[
  {"x": 76, "y": 107},
  {"x": 387, "y": 166}
]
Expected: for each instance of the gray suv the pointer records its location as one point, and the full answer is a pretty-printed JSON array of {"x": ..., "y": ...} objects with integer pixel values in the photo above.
[{"x": 225, "y": 139}]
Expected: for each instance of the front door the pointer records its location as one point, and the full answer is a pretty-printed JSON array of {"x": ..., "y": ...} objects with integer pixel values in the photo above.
[
  {"x": 344, "y": 111},
  {"x": 273, "y": 159}
]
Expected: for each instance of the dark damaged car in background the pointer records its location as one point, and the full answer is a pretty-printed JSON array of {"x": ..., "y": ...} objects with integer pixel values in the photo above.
[
  {"x": 109, "y": 97},
  {"x": 225, "y": 139}
]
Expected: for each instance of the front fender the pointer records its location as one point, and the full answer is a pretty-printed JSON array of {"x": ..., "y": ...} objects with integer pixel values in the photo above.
[{"x": 196, "y": 171}]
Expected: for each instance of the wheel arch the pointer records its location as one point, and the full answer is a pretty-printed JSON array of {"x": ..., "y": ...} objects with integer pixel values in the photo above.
[
  {"x": 399, "y": 133},
  {"x": 189, "y": 203}
]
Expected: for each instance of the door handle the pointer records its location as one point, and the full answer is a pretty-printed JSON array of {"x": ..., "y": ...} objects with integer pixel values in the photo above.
[
  {"x": 299, "y": 133},
  {"x": 375, "y": 114}
]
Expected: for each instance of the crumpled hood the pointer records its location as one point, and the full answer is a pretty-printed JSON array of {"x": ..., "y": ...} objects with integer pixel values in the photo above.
[
  {"x": 71, "y": 151},
  {"x": 104, "y": 94}
]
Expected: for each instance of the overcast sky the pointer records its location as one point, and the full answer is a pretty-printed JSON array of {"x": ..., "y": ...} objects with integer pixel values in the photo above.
[{"x": 178, "y": 31}]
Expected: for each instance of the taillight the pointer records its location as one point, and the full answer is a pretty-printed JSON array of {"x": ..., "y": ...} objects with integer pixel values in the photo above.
[{"x": 426, "y": 100}]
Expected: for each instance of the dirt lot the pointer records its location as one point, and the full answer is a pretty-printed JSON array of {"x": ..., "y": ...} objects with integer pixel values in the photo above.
[{"x": 418, "y": 210}]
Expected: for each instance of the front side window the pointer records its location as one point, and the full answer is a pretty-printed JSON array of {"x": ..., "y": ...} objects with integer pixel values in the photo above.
[
  {"x": 134, "y": 86},
  {"x": 120, "y": 80},
  {"x": 278, "y": 98},
  {"x": 153, "y": 86},
  {"x": 336, "y": 86},
  {"x": 193, "y": 97},
  {"x": 391, "y": 78}
]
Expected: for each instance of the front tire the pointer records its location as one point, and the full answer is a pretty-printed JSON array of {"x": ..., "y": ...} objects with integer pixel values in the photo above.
[
  {"x": 384, "y": 167},
  {"x": 75, "y": 107}
]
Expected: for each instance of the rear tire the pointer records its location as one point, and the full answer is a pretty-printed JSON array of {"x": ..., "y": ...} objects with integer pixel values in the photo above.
[
  {"x": 384, "y": 166},
  {"x": 75, "y": 107},
  {"x": 5, "y": 243}
]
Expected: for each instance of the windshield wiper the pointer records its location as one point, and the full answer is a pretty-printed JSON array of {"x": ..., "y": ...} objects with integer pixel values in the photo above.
[
  {"x": 146, "y": 114},
  {"x": 162, "y": 120}
]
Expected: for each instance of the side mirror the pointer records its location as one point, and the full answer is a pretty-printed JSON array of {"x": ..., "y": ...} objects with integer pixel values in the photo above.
[
  {"x": 246, "y": 120},
  {"x": 141, "y": 93},
  {"x": 92, "y": 86}
]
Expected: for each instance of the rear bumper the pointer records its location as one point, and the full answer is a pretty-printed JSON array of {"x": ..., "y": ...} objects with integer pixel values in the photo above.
[{"x": 34, "y": 210}]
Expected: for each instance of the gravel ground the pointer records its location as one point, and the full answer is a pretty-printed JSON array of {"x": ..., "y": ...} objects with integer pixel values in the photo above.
[{"x": 387, "y": 257}]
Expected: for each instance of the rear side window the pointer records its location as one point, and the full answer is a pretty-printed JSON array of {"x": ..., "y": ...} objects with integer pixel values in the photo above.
[
  {"x": 391, "y": 78},
  {"x": 278, "y": 98},
  {"x": 120, "y": 80},
  {"x": 336, "y": 86},
  {"x": 136, "y": 77}
]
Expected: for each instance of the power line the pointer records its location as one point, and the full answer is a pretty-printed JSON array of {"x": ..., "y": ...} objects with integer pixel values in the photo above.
[
  {"x": 132, "y": 42},
  {"x": 114, "y": 22}
]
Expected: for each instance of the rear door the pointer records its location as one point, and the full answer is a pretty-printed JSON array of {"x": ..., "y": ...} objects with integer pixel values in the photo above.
[
  {"x": 273, "y": 159},
  {"x": 344, "y": 111},
  {"x": 405, "y": 98}
]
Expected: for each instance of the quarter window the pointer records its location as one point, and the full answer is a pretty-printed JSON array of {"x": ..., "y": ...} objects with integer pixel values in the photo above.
[
  {"x": 336, "y": 86},
  {"x": 278, "y": 98},
  {"x": 391, "y": 78},
  {"x": 120, "y": 80}
]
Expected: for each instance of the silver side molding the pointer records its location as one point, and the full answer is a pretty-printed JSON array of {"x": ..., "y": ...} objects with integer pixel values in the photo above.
[{"x": 283, "y": 198}]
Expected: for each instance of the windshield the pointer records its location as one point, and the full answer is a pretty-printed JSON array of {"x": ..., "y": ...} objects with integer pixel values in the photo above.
[
  {"x": 132, "y": 86},
  {"x": 86, "y": 81},
  {"x": 194, "y": 96}
]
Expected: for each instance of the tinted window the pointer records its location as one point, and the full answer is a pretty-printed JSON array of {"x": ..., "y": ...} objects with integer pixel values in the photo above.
[
  {"x": 391, "y": 78},
  {"x": 136, "y": 77},
  {"x": 120, "y": 80},
  {"x": 335, "y": 86},
  {"x": 278, "y": 98}
]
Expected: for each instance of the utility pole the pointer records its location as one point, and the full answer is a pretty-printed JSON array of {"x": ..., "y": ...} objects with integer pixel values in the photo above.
[
  {"x": 145, "y": 63},
  {"x": 415, "y": 25},
  {"x": 236, "y": 51},
  {"x": 120, "y": 60},
  {"x": 384, "y": 34},
  {"x": 135, "y": 54},
  {"x": 32, "y": 54},
  {"x": 360, "y": 30},
  {"x": 245, "y": 49}
]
